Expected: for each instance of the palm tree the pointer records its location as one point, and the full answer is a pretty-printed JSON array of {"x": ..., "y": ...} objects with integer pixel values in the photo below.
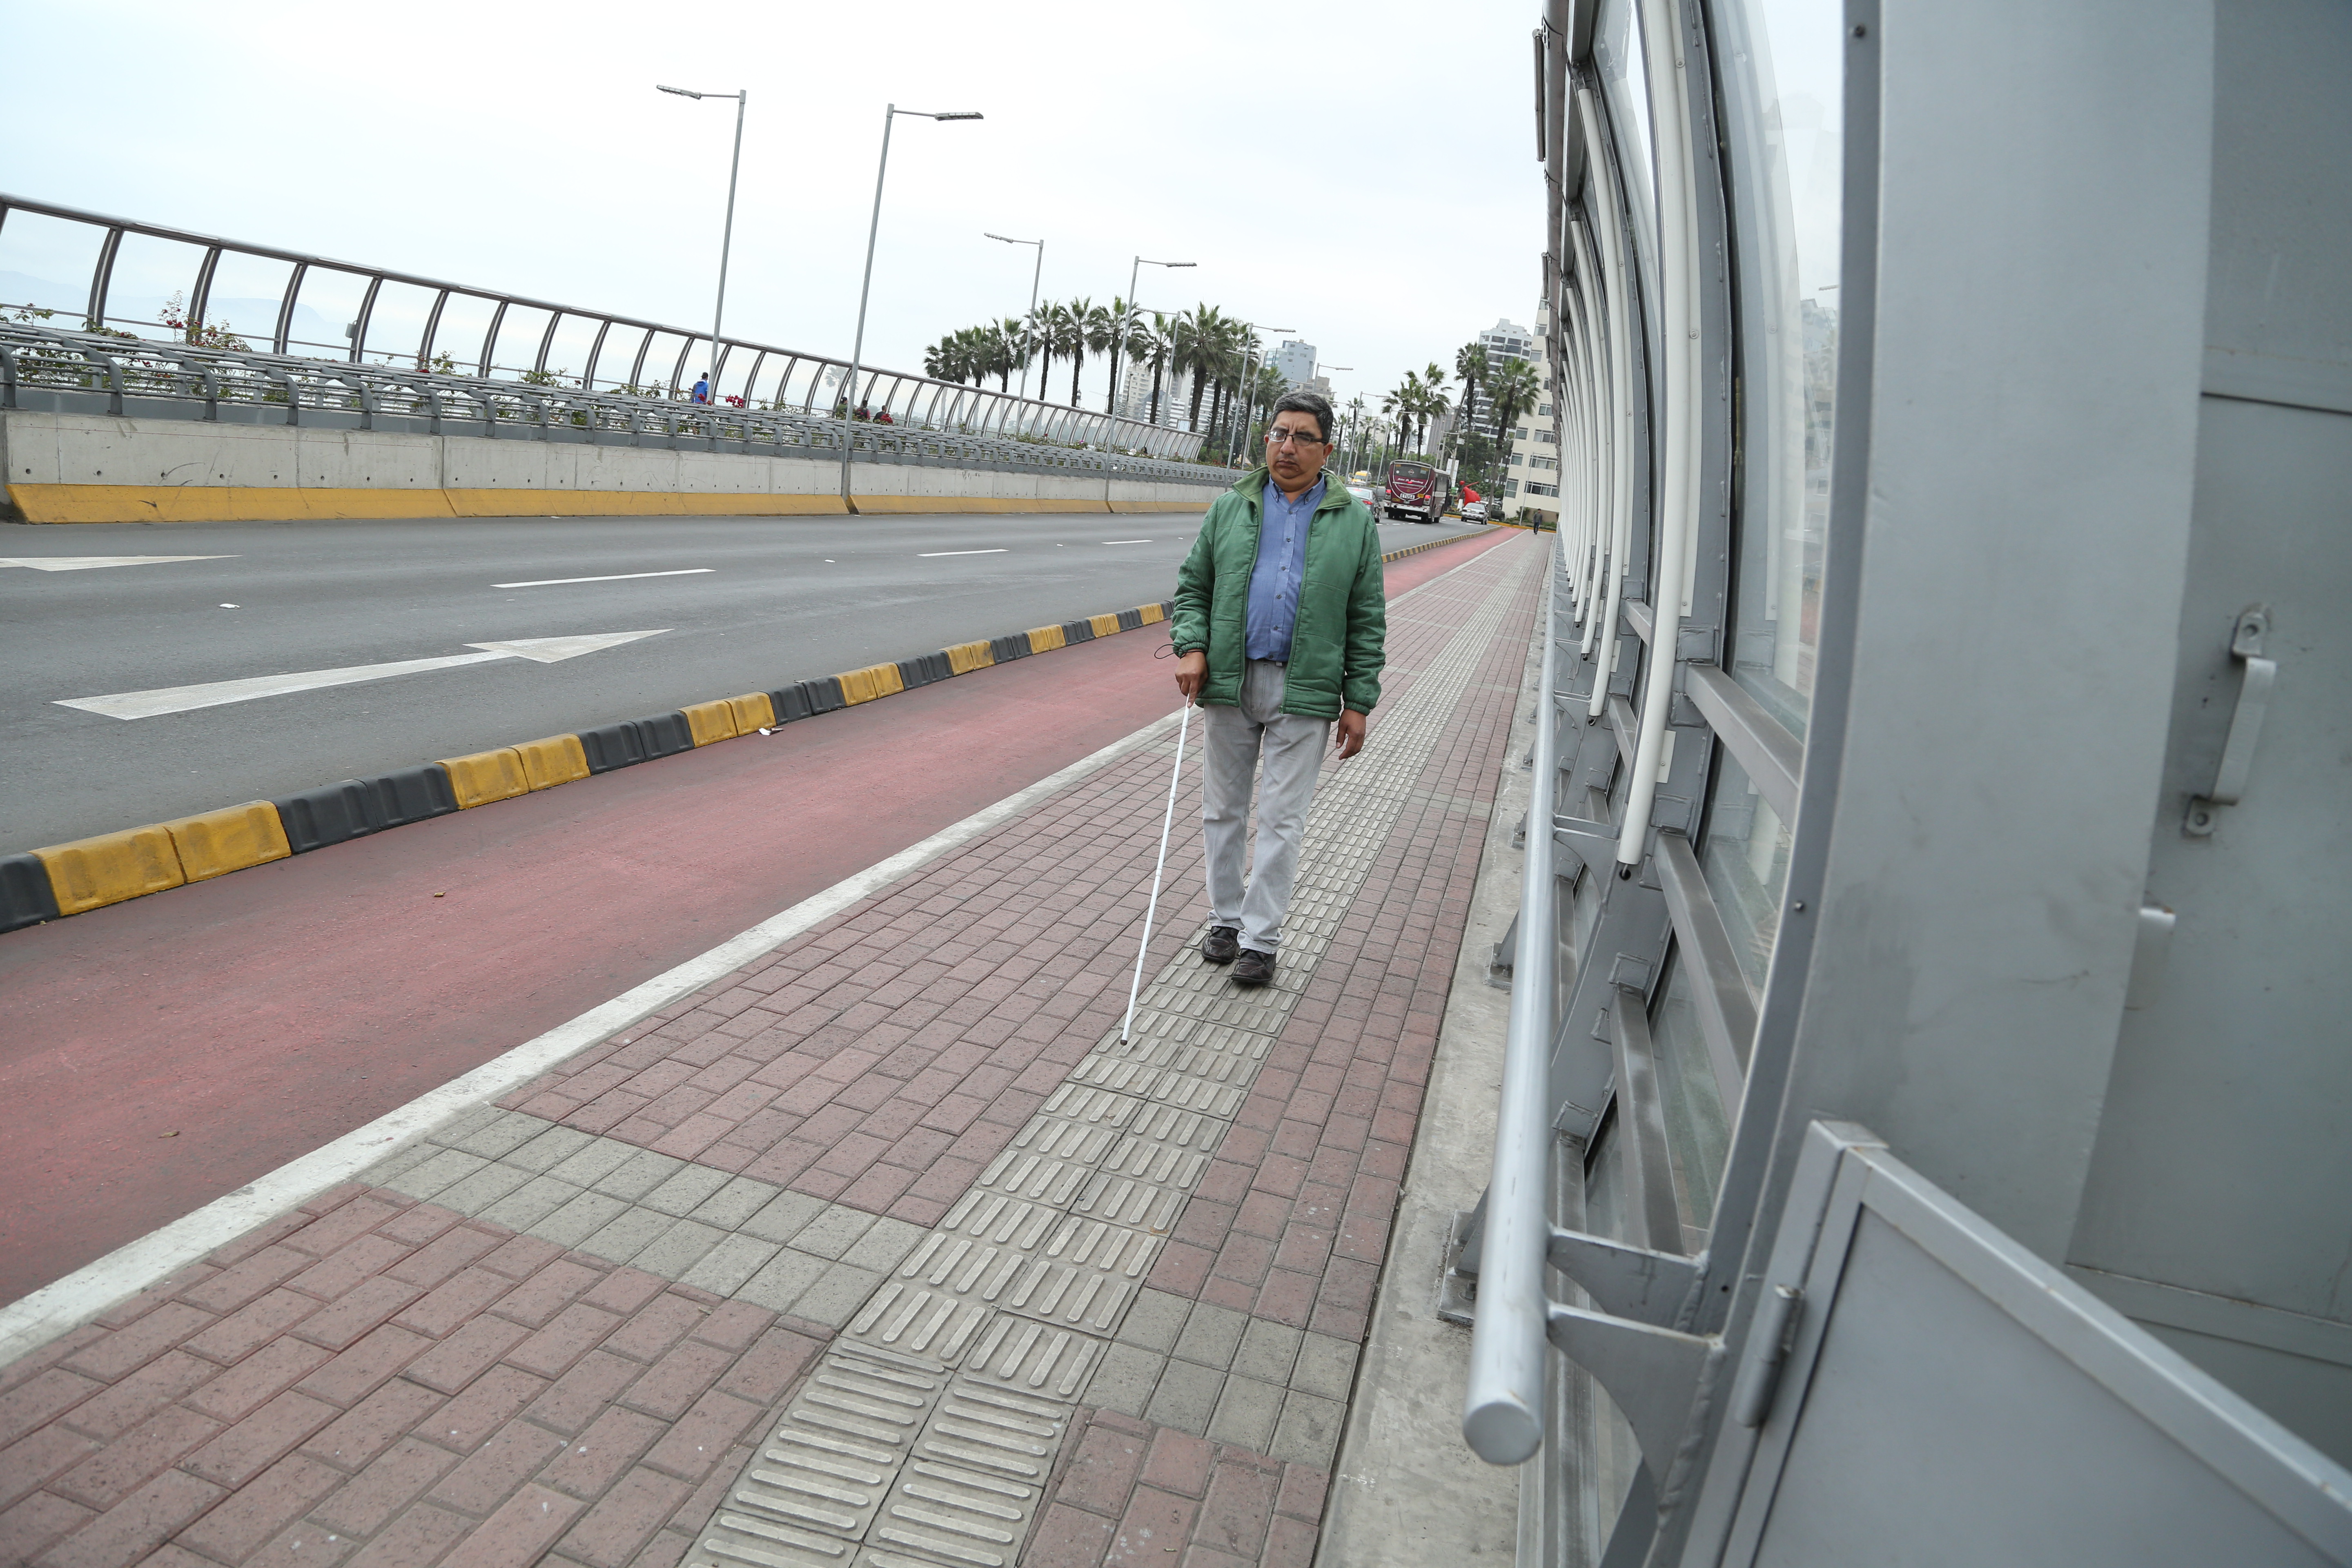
[
  {"x": 1197, "y": 334},
  {"x": 1159, "y": 346},
  {"x": 1072, "y": 322},
  {"x": 1111, "y": 333},
  {"x": 1513, "y": 389},
  {"x": 1007, "y": 351},
  {"x": 1037, "y": 334},
  {"x": 1470, "y": 364}
]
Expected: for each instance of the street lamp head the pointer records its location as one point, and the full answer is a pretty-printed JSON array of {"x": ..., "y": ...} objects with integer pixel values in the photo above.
[
  {"x": 681, "y": 92},
  {"x": 961, "y": 115},
  {"x": 1010, "y": 240}
]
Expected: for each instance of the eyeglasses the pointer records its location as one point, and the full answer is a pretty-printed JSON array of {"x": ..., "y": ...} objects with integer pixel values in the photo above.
[{"x": 1293, "y": 438}]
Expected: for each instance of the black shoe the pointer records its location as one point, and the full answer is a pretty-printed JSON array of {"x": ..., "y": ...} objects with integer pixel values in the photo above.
[
  {"x": 1220, "y": 945},
  {"x": 1253, "y": 967}
]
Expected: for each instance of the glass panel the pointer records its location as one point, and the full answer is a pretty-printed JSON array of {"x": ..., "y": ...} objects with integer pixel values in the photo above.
[
  {"x": 1782, "y": 99},
  {"x": 1744, "y": 856},
  {"x": 1698, "y": 1133}
]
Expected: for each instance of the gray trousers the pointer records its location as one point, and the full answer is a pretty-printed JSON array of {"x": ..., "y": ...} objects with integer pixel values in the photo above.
[{"x": 1292, "y": 750}]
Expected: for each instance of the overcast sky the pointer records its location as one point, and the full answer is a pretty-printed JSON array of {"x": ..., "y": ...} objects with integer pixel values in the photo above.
[{"x": 1362, "y": 174}]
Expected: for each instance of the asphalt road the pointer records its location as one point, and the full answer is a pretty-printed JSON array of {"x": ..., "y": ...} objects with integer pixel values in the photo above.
[{"x": 752, "y": 603}]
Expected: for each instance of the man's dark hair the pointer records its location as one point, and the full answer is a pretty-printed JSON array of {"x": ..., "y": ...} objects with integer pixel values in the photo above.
[{"x": 1308, "y": 403}]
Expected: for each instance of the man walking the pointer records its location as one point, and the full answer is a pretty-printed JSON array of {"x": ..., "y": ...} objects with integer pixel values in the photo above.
[{"x": 1280, "y": 617}]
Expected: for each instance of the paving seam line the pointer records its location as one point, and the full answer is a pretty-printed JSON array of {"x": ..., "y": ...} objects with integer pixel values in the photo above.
[
  {"x": 65, "y": 1304},
  {"x": 47, "y": 884}
]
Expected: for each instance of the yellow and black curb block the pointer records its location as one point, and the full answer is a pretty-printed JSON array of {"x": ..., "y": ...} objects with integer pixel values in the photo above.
[
  {"x": 91, "y": 873},
  {"x": 67, "y": 878}
]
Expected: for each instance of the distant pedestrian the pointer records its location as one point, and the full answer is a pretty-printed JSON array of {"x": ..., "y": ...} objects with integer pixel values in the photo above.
[
  {"x": 702, "y": 389},
  {"x": 1280, "y": 624}
]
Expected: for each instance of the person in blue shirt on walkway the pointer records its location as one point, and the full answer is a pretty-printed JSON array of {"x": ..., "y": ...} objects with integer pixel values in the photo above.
[
  {"x": 702, "y": 389},
  {"x": 1280, "y": 623}
]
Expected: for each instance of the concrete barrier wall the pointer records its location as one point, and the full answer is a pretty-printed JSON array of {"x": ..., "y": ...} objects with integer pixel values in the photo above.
[{"x": 85, "y": 468}]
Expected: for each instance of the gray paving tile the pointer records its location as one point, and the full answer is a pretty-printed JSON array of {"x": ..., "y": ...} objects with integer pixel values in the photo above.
[
  {"x": 550, "y": 1149},
  {"x": 638, "y": 1174},
  {"x": 389, "y": 1169},
  {"x": 430, "y": 1177},
  {"x": 733, "y": 1205},
  {"x": 1125, "y": 1378},
  {"x": 593, "y": 1163},
  {"x": 1154, "y": 1321},
  {"x": 679, "y": 1249},
  {"x": 578, "y": 1220},
  {"x": 783, "y": 1216},
  {"x": 497, "y": 1134},
  {"x": 1246, "y": 1413},
  {"x": 1210, "y": 1335},
  {"x": 1309, "y": 1431},
  {"x": 531, "y": 1202},
  {"x": 1267, "y": 1351},
  {"x": 726, "y": 1268},
  {"x": 886, "y": 1245},
  {"x": 1326, "y": 1366},
  {"x": 783, "y": 1279},
  {"x": 834, "y": 1299},
  {"x": 833, "y": 1233},
  {"x": 626, "y": 1233},
  {"x": 485, "y": 1186},
  {"x": 686, "y": 1189},
  {"x": 1186, "y": 1397}
]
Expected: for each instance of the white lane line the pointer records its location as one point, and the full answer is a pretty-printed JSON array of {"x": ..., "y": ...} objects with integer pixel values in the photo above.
[
  {"x": 615, "y": 578},
  {"x": 91, "y": 563},
  {"x": 213, "y": 693},
  {"x": 928, "y": 554},
  {"x": 55, "y": 1309},
  {"x": 1127, "y": 542}
]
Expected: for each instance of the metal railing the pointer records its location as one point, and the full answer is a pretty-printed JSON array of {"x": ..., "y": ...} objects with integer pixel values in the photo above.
[
  {"x": 662, "y": 360},
  {"x": 42, "y": 367}
]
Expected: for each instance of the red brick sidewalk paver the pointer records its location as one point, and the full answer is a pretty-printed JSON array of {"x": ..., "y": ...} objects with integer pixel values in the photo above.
[{"x": 373, "y": 1381}]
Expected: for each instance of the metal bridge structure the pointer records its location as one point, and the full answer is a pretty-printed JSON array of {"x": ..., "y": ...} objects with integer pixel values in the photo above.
[
  {"x": 478, "y": 346},
  {"x": 1923, "y": 1133}
]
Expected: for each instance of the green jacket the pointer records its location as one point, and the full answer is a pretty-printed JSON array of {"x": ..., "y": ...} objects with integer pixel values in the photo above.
[{"x": 1336, "y": 645}]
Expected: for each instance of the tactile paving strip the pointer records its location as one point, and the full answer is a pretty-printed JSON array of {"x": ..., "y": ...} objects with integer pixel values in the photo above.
[{"x": 1026, "y": 1278}]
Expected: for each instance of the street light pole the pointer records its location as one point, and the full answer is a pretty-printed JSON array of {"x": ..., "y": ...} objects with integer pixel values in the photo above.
[
  {"x": 1034, "y": 275},
  {"x": 727, "y": 234},
  {"x": 1127, "y": 319},
  {"x": 857, "y": 343}
]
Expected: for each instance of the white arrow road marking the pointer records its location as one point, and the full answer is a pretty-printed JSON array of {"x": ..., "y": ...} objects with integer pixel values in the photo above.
[
  {"x": 89, "y": 563},
  {"x": 213, "y": 693},
  {"x": 617, "y": 577}
]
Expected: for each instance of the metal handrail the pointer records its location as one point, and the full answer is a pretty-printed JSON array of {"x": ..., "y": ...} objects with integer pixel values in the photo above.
[
  {"x": 998, "y": 410},
  {"x": 207, "y": 379},
  {"x": 1502, "y": 1415}
]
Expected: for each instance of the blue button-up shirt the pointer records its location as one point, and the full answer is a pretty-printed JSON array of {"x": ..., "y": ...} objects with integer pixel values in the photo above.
[{"x": 1281, "y": 565}]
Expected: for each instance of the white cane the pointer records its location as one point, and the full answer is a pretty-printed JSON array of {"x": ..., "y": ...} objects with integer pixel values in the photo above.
[{"x": 1166, "y": 822}]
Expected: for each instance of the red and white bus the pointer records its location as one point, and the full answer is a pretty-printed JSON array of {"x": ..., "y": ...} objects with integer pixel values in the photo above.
[{"x": 1415, "y": 491}]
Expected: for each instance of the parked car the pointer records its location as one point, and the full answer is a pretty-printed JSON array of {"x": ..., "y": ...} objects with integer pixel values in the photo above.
[{"x": 1474, "y": 512}]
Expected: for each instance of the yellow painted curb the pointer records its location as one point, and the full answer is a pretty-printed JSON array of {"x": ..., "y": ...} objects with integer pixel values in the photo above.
[
  {"x": 754, "y": 711},
  {"x": 1104, "y": 626},
  {"x": 1045, "y": 639},
  {"x": 110, "y": 868},
  {"x": 875, "y": 680},
  {"x": 487, "y": 776},
  {"x": 709, "y": 721},
  {"x": 216, "y": 843},
  {"x": 894, "y": 505},
  {"x": 559, "y": 759},
  {"x": 1151, "y": 613},
  {"x": 967, "y": 656}
]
